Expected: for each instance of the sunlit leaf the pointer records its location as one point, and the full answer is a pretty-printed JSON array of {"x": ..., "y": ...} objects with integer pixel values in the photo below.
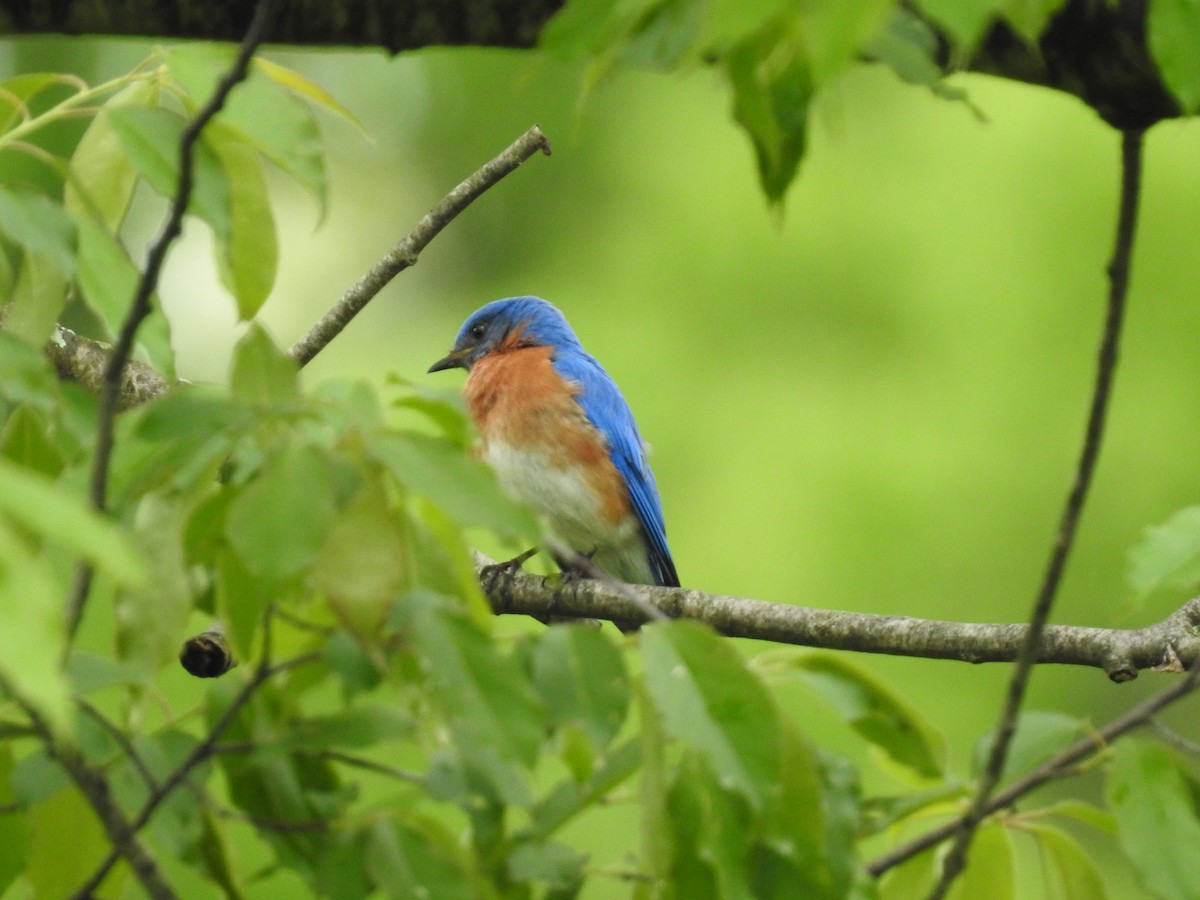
[
  {"x": 555, "y": 866},
  {"x": 107, "y": 276},
  {"x": 834, "y": 34},
  {"x": 1168, "y": 555},
  {"x": 66, "y": 820},
  {"x": 1156, "y": 821},
  {"x": 18, "y": 91},
  {"x": 247, "y": 261},
  {"x": 102, "y": 177},
  {"x": 262, "y": 373},
  {"x": 964, "y": 20},
  {"x": 297, "y": 84},
  {"x": 875, "y": 710},
  {"x": 151, "y": 137},
  {"x": 709, "y": 700},
  {"x": 990, "y": 872},
  {"x": 909, "y": 47},
  {"x": 1173, "y": 28}
]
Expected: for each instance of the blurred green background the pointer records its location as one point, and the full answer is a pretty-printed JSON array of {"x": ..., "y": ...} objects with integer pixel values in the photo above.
[{"x": 872, "y": 402}]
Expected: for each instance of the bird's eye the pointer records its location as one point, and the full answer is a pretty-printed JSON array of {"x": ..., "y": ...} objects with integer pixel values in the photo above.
[{"x": 478, "y": 331}]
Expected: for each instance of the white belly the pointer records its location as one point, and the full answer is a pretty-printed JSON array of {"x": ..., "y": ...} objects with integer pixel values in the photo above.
[{"x": 574, "y": 516}]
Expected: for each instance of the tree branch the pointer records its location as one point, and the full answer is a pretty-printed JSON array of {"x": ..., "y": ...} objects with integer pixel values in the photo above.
[
  {"x": 405, "y": 253},
  {"x": 114, "y": 372},
  {"x": 1053, "y": 768},
  {"x": 1118, "y": 273},
  {"x": 1170, "y": 645}
]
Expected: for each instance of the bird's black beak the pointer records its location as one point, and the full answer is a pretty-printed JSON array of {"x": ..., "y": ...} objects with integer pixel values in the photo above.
[{"x": 456, "y": 359}]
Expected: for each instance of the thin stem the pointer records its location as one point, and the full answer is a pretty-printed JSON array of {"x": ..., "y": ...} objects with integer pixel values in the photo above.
[
  {"x": 1118, "y": 274},
  {"x": 1058, "y": 766},
  {"x": 405, "y": 253},
  {"x": 110, "y": 393}
]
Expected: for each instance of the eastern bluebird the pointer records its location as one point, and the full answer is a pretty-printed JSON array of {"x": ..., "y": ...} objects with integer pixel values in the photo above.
[{"x": 561, "y": 438}]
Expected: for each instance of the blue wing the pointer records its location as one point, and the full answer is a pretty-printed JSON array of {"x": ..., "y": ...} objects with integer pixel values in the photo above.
[{"x": 606, "y": 409}]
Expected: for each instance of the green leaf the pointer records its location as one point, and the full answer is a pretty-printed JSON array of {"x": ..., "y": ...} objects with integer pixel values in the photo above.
[
  {"x": 39, "y": 225},
  {"x": 1168, "y": 555},
  {"x": 411, "y": 859},
  {"x": 1039, "y": 736},
  {"x": 25, "y": 440},
  {"x": 358, "y": 726},
  {"x": 266, "y": 115},
  {"x": 572, "y": 797},
  {"x": 989, "y": 874},
  {"x": 708, "y": 699},
  {"x": 1070, "y": 874},
  {"x": 248, "y": 260},
  {"x": 1029, "y": 17},
  {"x": 262, "y": 373},
  {"x": 964, "y": 20},
  {"x": 462, "y": 486},
  {"x": 772, "y": 88},
  {"x": 298, "y": 85},
  {"x": 58, "y": 515},
  {"x": 361, "y": 567},
  {"x": 1173, "y": 34},
  {"x": 242, "y": 599},
  {"x": 151, "y": 139},
  {"x": 581, "y": 677},
  {"x": 909, "y": 47},
  {"x": 834, "y": 34},
  {"x": 37, "y": 300},
  {"x": 873, "y": 709},
  {"x": 66, "y": 820},
  {"x": 102, "y": 178},
  {"x": 107, "y": 276},
  {"x": 1156, "y": 820},
  {"x": 151, "y": 621},
  {"x": 489, "y": 704},
  {"x": 14, "y": 844},
  {"x": 556, "y": 866},
  {"x": 1079, "y": 811},
  {"x": 190, "y": 413},
  {"x": 16, "y": 92},
  {"x": 25, "y": 374},
  {"x": 91, "y": 672},
  {"x": 279, "y": 521}
]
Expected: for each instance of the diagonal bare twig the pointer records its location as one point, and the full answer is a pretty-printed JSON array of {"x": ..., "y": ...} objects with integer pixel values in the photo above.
[
  {"x": 114, "y": 372},
  {"x": 405, "y": 253},
  {"x": 1118, "y": 274},
  {"x": 1055, "y": 767}
]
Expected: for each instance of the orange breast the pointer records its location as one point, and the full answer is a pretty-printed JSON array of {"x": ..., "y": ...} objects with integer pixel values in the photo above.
[{"x": 516, "y": 398}]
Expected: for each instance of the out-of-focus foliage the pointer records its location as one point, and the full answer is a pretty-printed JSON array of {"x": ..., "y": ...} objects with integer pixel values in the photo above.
[{"x": 413, "y": 746}]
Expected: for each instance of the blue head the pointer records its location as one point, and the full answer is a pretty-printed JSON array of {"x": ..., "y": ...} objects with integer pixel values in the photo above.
[{"x": 513, "y": 322}]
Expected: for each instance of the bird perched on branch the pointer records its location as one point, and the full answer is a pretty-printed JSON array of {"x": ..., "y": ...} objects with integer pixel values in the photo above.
[{"x": 562, "y": 439}]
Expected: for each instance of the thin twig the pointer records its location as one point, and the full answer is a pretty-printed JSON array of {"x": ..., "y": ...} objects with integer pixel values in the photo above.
[
  {"x": 122, "y": 741},
  {"x": 114, "y": 372},
  {"x": 370, "y": 765},
  {"x": 202, "y": 751},
  {"x": 1057, "y": 767},
  {"x": 96, "y": 790},
  {"x": 405, "y": 253},
  {"x": 1118, "y": 274},
  {"x": 1169, "y": 735}
]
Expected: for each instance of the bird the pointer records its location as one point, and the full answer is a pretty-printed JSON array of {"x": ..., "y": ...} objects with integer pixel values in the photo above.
[{"x": 557, "y": 431}]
